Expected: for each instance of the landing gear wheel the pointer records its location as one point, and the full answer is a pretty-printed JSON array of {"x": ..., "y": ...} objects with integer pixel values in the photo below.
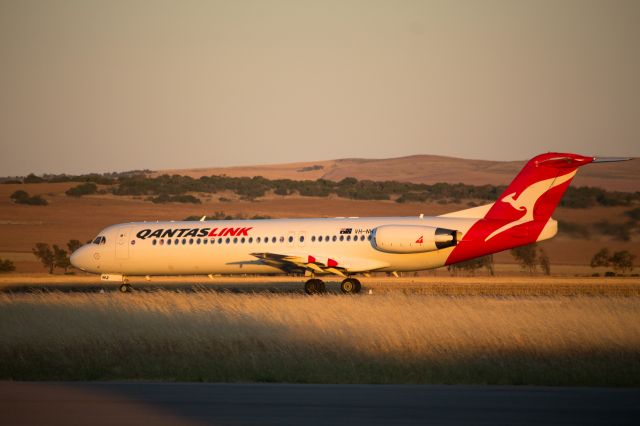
[
  {"x": 314, "y": 286},
  {"x": 126, "y": 288},
  {"x": 350, "y": 286}
]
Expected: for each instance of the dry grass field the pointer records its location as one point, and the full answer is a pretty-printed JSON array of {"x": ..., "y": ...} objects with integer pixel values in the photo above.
[{"x": 387, "y": 337}]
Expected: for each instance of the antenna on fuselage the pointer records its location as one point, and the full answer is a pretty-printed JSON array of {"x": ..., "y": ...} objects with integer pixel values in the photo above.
[{"x": 203, "y": 218}]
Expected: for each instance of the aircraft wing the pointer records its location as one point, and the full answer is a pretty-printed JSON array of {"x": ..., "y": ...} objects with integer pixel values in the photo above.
[{"x": 319, "y": 264}]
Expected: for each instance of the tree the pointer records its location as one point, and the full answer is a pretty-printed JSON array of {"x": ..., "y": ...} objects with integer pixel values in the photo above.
[
  {"x": 601, "y": 258},
  {"x": 31, "y": 178},
  {"x": 43, "y": 252},
  {"x": 544, "y": 262},
  {"x": 622, "y": 261},
  {"x": 60, "y": 258},
  {"x": 526, "y": 256},
  {"x": 6, "y": 266},
  {"x": 73, "y": 245},
  {"x": 472, "y": 265}
]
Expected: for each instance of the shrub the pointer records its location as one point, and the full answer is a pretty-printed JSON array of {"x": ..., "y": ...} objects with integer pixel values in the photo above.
[
  {"x": 619, "y": 231},
  {"x": 82, "y": 189},
  {"x": 19, "y": 195},
  {"x": 633, "y": 214},
  {"x": 6, "y": 265},
  {"x": 22, "y": 197},
  {"x": 164, "y": 198},
  {"x": 574, "y": 229}
]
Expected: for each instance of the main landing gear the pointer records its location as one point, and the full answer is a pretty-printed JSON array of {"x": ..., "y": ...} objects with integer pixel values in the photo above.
[
  {"x": 348, "y": 286},
  {"x": 314, "y": 286}
]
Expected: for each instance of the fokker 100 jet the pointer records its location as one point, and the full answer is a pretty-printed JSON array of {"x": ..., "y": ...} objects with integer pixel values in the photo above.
[{"x": 344, "y": 247}]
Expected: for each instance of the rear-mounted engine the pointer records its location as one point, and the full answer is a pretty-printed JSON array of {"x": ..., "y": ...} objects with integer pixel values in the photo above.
[{"x": 413, "y": 238}]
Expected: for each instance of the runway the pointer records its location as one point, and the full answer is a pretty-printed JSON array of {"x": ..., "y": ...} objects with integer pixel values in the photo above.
[{"x": 23, "y": 403}]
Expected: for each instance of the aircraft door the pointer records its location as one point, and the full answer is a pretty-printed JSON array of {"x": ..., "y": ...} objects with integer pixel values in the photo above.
[{"x": 122, "y": 243}]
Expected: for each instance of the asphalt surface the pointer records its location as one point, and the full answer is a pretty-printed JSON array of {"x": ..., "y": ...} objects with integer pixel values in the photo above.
[{"x": 24, "y": 403}]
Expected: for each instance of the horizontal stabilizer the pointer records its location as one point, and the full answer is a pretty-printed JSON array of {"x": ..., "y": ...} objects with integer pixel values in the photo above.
[{"x": 610, "y": 159}]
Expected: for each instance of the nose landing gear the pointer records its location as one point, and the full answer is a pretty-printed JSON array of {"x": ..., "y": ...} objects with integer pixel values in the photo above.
[{"x": 125, "y": 287}]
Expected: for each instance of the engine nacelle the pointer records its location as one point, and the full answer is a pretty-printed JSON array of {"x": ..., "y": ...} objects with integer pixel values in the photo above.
[{"x": 413, "y": 238}]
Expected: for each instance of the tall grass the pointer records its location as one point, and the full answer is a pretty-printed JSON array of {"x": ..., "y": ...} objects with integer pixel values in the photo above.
[{"x": 390, "y": 338}]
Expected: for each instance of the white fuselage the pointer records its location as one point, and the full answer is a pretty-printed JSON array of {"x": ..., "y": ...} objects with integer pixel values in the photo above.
[{"x": 129, "y": 249}]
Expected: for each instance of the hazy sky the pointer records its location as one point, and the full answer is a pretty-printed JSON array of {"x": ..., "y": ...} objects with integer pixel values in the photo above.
[{"x": 120, "y": 85}]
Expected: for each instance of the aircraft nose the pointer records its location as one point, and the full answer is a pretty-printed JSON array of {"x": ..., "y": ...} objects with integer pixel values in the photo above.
[{"x": 80, "y": 258}]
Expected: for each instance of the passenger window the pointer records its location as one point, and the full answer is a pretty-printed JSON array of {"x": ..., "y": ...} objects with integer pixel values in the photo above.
[
  {"x": 198, "y": 241},
  {"x": 154, "y": 242},
  {"x": 341, "y": 237},
  {"x": 258, "y": 240},
  {"x": 168, "y": 242},
  {"x": 250, "y": 240},
  {"x": 313, "y": 238},
  {"x": 184, "y": 241},
  {"x": 282, "y": 239},
  {"x": 273, "y": 240},
  {"x": 302, "y": 238},
  {"x": 235, "y": 240},
  {"x": 219, "y": 240},
  {"x": 348, "y": 237},
  {"x": 242, "y": 240},
  {"x": 290, "y": 239},
  {"x": 161, "y": 242},
  {"x": 227, "y": 241},
  {"x": 190, "y": 240},
  {"x": 334, "y": 238},
  {"x": 205, "y": 241}
]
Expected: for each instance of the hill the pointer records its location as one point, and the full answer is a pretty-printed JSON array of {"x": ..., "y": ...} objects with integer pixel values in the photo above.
[{"x": 428, "y": 169}]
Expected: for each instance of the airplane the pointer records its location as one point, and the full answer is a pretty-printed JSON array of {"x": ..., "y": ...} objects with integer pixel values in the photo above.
[{"x": 342, "y": 246}]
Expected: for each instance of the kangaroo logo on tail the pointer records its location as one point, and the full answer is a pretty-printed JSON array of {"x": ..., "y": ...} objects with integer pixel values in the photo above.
[{"x": 527, "y": 199}]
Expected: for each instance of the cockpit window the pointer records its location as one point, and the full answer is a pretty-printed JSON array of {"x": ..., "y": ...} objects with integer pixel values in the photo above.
[{"x": 100, "y": 240}]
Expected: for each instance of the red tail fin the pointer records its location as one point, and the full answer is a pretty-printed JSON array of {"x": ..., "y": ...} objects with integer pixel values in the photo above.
[{"x": 523, "y": 209}]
